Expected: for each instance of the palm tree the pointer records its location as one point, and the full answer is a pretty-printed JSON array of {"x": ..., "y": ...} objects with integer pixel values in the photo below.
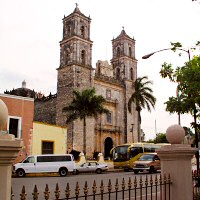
[
  {"x": 85, "y": 104},
  {"x": 142, "y": 97}
]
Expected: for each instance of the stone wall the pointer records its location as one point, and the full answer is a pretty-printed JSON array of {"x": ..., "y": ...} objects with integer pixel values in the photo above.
[{"x": 45, "y": 110}]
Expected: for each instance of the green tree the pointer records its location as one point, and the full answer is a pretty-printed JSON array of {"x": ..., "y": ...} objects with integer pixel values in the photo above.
[
  {"x": 84, "y": 104},
  {"x": 161, "y": 138},
  {"x": 187, "y": 77},
  {"x": 142, "y": 97}
]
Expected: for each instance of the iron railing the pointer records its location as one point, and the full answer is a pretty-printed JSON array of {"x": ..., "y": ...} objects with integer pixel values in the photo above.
[
  {"x": 196, "y": 184},
  {"x": 149, "y": 188}
]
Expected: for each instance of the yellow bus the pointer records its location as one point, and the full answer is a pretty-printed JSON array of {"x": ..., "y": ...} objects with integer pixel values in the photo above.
[{"x": 125, "y": 155}]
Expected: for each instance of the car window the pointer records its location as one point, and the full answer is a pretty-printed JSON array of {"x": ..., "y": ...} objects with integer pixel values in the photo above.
[
  {"x": 84, "y": 165},
  {"x": 156, "y": 158},
  {"x": 146, "y": 157},
  {"x": 30, "y": 160},
  {"x": 93, "y": 164}
]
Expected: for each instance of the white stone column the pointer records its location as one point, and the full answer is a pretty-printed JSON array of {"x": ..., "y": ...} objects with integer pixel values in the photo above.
[
  {"x": 176, "y": 161},
  {"x": 9, "y": 148}
]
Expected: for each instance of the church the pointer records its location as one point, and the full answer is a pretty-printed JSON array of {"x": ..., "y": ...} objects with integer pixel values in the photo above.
[{"x": 113, "y": 80}]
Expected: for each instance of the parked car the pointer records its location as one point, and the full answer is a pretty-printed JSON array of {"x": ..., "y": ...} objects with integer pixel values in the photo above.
[
  {"x": 46, "y": 163},
  {"x": 92, "y": 166},
  {"x": 149, "y": 162}
]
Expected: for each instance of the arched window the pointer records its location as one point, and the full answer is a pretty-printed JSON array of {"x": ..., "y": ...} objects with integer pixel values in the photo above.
[
  {"x": 118, "y": 51},
  {"x": 99, "y": 68},
  {"x": 109, "y": 118},
  {"x": 130, "y": 52},
  {"x": 118, "y": 73},
  {"x": 83, "y": 56},
  {"x": 83, "y": 31},
  {"x": 68, "y": 30},
  {"x": 67, "y": 56},
  {"x": 131, "y": 73},
  {"x": 108, "y": 94}
]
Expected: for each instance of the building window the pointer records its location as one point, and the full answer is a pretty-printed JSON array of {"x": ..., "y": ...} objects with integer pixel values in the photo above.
[
  {"x": 47, "y": 147},
  {"x": 109, "y": 118},
  {"x": 83, "y": 31},
  {"x": 99, "y": 68},
  {"x": 118, "y": 73},
  {"x": 14, "y": 126},
  {"x": 83, "y": 56},
  {"x": 118, "y": 51},
  {"x": 68, "y": 30},
  {"x": 67, "y": 57},
  {"x": 108, "y": 94},
  {"x": 131, "y": 73},
  {"x": 130, "y": 51}
]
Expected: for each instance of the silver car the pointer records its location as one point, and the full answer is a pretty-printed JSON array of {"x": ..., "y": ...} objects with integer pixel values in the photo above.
[{"x": 92, "y": 166}]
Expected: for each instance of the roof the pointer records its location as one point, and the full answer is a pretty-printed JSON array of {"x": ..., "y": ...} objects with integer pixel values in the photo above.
[
  {"x": 123, "y": 34},
  {"x": 77, "y": 11}
]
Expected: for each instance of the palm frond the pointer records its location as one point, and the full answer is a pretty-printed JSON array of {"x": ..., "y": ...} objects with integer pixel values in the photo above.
[{"x": 142, "y": 96}]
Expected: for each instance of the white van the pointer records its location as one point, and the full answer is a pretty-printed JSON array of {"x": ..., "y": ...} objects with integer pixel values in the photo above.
[{"x": 47, "y": 163}]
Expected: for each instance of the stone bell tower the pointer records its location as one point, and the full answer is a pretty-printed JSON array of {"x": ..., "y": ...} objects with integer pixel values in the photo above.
[
  {"x": 125, "y": 68},
  {"x": 75, "y": 70}
]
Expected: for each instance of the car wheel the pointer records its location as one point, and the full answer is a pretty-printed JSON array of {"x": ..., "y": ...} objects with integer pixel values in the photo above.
[
  {"x": 135, "y": 171},
  {"x": 20, "y": 173},
  {"x": 151, "y": 170},
  {"x": 63, "y": 172},
  {"x": 98, "y": 171}
]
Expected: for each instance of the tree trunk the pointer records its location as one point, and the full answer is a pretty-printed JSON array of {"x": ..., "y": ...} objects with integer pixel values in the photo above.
[
  {"x": 84, "y": 136},
  {"x": 139, "y": 125}
]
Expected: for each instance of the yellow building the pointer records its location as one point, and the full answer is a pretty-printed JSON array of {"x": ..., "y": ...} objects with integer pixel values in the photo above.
[{"x": 48, "y": 139}]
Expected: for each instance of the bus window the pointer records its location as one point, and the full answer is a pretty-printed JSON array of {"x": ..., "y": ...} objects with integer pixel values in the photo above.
[
  {"x": 147, "y": 149},
  {"x": 134, "y": 151},
  {"x": 120, "y": 154}
]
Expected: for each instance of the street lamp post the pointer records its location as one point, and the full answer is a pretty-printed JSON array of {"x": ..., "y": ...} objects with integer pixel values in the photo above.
[
  {"x": 195, "y": 128},
  {"x": 150, "y": 54}
]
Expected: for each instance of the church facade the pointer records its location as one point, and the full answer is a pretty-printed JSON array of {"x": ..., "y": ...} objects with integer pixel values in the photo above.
[{"x": 113, "y": 81}]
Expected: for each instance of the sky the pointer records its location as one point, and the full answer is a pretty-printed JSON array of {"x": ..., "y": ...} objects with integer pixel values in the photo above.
[{"x": 30, "y": 32}]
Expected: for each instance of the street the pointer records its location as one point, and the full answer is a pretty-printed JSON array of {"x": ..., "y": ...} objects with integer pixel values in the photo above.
[{"x": 40, "y": 182}]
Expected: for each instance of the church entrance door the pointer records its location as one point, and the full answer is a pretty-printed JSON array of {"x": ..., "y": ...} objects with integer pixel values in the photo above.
[{"x": 108, "y": 145}]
